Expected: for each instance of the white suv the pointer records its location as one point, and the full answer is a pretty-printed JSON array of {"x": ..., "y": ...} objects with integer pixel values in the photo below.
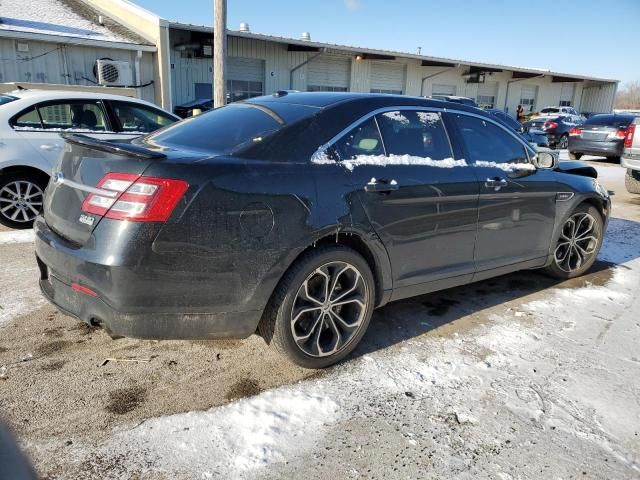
[
  {"x": 558, "y": 111},
  {"x": 30, "y": 125}
]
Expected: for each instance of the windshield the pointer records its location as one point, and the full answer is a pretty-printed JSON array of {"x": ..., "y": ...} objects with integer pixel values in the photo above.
[
  {"x": 550, "y": 110},
  {"x": 6, "y": 99}
]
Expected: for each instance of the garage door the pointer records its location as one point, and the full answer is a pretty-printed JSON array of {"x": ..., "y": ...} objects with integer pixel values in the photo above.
[
  {"x": 528, "y": 97},
  {"x": 439, "y": 89},
  {"x": 329, "y": 74},
  {"x": 245, "y": 78},
  {"x": 387, "y": 77},
  {"x": 487, "y": 94},
  {"x": 566, "y": 95}
]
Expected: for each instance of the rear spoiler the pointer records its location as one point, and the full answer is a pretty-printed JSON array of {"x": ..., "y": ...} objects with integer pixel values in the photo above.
[{"x": 119, "y": 148}]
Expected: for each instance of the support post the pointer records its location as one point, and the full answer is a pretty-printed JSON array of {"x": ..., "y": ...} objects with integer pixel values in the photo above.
[{"x": 219, "y": 53}]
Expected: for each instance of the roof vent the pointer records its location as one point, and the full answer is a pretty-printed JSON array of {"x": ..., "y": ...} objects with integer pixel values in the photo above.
[
  {"x": 244, "y": 27},
  {"x": 306, "y": 36}
]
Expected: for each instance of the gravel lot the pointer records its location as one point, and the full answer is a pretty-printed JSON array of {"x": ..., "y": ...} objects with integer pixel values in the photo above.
[{"x": 515, "y": 377}]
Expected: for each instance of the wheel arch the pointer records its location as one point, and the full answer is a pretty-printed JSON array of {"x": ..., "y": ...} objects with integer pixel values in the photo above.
[{"x": 13, "y": 169}]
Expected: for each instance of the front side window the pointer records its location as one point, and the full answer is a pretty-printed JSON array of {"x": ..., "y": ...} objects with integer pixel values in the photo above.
[
  {"x": 73, "y": 115},
  {"x": 414, "y": 133},
  {"x": 139, "y": 118},
  {"x": 362, "y": 140},
  {"x": 486, "y": 142}
]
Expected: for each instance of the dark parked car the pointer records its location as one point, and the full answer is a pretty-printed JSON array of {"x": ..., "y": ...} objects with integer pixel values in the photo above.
[
  {"x": 296, "y": 215},
  {"x": 186, "y": 110},
  {"x": 555, "y": 128},
  {"x": 601, "y": 135},
  {"x": 531, "y": 135}
]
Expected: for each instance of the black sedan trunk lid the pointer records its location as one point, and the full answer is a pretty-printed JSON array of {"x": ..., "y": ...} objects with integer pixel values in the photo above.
[{"x": 84, "y": 163}]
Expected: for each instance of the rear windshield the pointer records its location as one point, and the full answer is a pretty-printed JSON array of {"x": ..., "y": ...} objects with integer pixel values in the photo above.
[
  {"x": 6, "y": 99},
  {"x": 550, "y": 110},
  {"x": 227, "y": 129},
  {"x": 616, "y": 121}
]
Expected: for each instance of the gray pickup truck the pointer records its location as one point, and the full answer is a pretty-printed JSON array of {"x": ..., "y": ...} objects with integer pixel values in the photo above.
[{"x": 631, "y": 157}]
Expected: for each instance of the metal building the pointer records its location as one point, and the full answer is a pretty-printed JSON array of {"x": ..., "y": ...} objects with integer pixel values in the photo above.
[{"x": 182, "y": 67}]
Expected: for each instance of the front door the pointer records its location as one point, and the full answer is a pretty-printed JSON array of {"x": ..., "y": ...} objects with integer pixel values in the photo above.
[
  {"x": 420, "y": 201},
  {"x": 517, "y": 202}
]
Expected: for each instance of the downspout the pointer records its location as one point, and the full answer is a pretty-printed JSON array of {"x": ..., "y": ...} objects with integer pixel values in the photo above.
[
  {"x": 435, "y": 75},
  {"x": 136, "y": 67},
  {"x": 509, "y": 82},
  {"x": 308, "y": 60}
]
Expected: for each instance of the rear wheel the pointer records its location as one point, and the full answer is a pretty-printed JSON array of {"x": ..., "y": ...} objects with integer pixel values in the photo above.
[
  {"x": 563, "y": 142},
  {"x": 322, "y": 307},
  {"x": 21, "y": 199},
  {"x": 578, "y": 244},
  {"x": 575, "y": 155},
  {"x": 632, "y": 181}
]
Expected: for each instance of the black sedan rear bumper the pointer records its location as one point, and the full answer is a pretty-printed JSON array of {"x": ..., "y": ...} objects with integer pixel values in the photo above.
[
  {"x": 590, "y": 147},
  {"x": 110, "y": 303}
]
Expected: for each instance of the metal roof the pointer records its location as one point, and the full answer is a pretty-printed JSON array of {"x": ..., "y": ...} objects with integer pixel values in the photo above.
[{"x": 355, "y": 50}]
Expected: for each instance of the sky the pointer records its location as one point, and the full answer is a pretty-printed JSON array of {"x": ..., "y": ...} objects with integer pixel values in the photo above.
[{"x": 589, "y": 37}]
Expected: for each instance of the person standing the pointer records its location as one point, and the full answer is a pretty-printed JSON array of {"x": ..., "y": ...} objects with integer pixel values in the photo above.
[{"x": 520, "y": 113}]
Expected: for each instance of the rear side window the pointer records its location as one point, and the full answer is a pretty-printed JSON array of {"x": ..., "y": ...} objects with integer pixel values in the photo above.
[
  {"x": 550, "y": 110},
  {"x": 615, "y": 121},
  {"x": 419, "y": 134},
  {"x": 222, "y": 130},
  {"x": 6, "y": 99},
  {"x": 72, "y": 115},
  {"x": 28, "y": 119},
  {"x": 139, "y": 118},
  {"x": 362, "y": 140},
  {"x": 485, "y": 142}
]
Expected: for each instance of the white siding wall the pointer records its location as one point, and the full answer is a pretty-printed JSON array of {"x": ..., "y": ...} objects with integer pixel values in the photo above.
[
  {"x": 598, "y": 98},
  {"x": 66, "y": 65},
  {"x": 330, "y": 71}
]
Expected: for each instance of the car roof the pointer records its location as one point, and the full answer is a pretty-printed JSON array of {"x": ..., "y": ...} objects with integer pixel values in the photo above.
[
  {"x": 43, "y": 95},
  {"x": 326, "y": 99}
]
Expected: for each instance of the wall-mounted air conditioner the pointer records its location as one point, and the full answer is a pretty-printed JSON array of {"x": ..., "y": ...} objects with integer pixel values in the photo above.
[{"x": 114, "y": 73}]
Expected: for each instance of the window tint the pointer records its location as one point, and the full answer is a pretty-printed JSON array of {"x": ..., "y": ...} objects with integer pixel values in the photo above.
[
  {"x": 28, "y": 119},
  {"x": 419, "y": 134},
  {"x": 550, "y": 110},
  {"x": 6, "y": 99},
  {"x": 362, "y": 140},
  {"x": 487, "y": 142},
  {"x": 221, "y": 130},
  {"x": 616, "y": 121},
  {"x": 139, "y": 118},
  {"x": 73, "y": 115}
]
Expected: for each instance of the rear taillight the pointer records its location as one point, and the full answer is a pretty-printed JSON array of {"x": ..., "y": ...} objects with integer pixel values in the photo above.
[
  {"x": 575, "y": 132},
  {"x": 132, "y": 197},
  {"x": 549, "y": 125},
  {"x": 628, "y": 139},
  {"x": 619, "y": 134}
]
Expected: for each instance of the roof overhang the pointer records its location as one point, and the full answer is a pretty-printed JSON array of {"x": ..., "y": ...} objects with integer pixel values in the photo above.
[{"x": 85, "y": 42}]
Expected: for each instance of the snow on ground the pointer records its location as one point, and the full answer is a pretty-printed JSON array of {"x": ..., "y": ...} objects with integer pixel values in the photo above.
[
  {"x": 544, "y": 389},
  {"x": 16, "y": 236}
]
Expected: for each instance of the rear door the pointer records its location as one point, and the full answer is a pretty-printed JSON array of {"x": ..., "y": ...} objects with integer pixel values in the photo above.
[
  {"x": 517, "y": 203},
  {"x": 42, "y": 124},
  {"x": 421, "y": 203}
]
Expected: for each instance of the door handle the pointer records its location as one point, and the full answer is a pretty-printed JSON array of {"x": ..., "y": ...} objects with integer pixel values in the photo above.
[
  {"x": 496, "y": 183},
  {"x": 50, "y": 147},
  {"x": 381, "y": 186}
]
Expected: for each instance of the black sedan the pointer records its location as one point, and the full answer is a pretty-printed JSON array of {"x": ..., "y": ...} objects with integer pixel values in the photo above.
[
  {"x": 531, "y": 135},
  {"x": 296, "y": 215},
  {"x": 186, "y": 110},
  {"x": 555, "y": 128},
  {"x": 601, "y": 135}
]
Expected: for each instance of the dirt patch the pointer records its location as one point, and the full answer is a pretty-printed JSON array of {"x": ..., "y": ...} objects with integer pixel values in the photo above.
[
  {"x": 219, "y": 344},
  {"x": 599, "y": 275},
  {"x": 53, "y": 332},
  {"x": 124, "y": 400},
  {"x": 83, "y": 328},
  {"x": 52, "y": 347},
  {"x": 53, "y": 366},
  {"x": 245, "y": 387},
  {"x": 3, "y": 349}
]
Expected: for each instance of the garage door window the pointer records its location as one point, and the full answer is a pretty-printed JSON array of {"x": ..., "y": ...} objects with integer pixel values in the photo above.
[
  {"x": 325, "y": 88},
  {"x": 384, "y": 90},
  {"x": 443, "y": 90},
  {"x": 566, "y": 94},
  {"x": 243, "y": 89}
]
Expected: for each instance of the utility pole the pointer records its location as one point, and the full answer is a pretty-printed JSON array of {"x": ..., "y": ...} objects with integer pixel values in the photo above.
[{"x": 219, "y": 53}]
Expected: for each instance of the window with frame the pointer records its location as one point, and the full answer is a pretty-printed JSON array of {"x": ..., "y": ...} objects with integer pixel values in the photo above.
[
  {"x": 414, "y": 133},
  {"x": 362, "y": 140},
  {"x": 528, "y": 98},
  {"x": 27, "y": 120},
  {"x": 73, "y": 115},
  {"x": 238, "y": 90},
  {"x": 325, "y": 88},
  {"x": 386, "y": 91},
  {"x": 486, "y": 101},
  {"x": 486, "y": 142},
  {"x": 139, "y": 118}
]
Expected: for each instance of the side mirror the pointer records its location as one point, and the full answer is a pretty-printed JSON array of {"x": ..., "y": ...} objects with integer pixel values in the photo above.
[{"x": 546, "y": 160}]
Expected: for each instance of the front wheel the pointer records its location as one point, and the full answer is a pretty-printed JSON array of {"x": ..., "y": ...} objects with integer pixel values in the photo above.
[
  {"x": 578, "y": 244},
  {"x": 575, "y": 156},
  {"x": 632, "y": 181},
  {"x": 322, "y": 307},
  {"x": 21, "y": 199}
]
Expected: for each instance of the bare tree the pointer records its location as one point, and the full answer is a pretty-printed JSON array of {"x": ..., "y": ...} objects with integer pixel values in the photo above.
[{"x": 628, "y": 95}]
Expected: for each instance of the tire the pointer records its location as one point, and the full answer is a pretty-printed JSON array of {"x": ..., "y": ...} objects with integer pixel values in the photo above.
[
  {"x": 21, "y": 198},
  {"x": 566, "y": 255},
  {"x": 563, "y": 142},
  {"x": 632, "y": 181},
  {"x": 315, "y": 323},
  {"x": 575, "y": 156}
]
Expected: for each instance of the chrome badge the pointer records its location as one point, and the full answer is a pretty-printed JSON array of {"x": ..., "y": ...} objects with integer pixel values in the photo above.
[{"x": 86, "y": 219}]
